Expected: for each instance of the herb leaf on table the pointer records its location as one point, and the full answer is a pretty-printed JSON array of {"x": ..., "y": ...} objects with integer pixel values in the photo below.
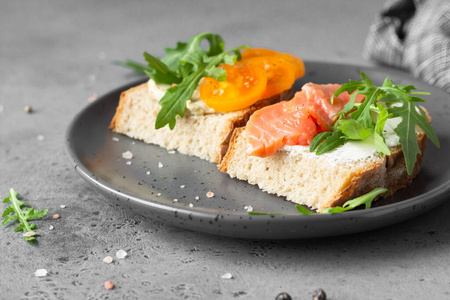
[{"x": 15, "y": 212}]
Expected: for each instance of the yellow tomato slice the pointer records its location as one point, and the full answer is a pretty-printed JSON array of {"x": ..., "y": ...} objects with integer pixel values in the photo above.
[
  {"x": 257, "y": 52},
  {"x": 280, "y": 73},
  {"x": 245, "y": 85}
]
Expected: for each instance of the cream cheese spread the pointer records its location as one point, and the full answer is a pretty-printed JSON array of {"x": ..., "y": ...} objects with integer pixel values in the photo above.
[
  {"x": 353, "y": 151},
  {"x": 194, "y": 106}
]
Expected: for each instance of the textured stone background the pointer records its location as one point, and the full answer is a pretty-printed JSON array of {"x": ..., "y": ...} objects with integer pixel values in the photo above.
[{"x": 55, "y": 55}]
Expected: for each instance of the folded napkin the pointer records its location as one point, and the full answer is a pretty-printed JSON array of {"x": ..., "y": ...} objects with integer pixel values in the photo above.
[{"x": 413, "y": 35}]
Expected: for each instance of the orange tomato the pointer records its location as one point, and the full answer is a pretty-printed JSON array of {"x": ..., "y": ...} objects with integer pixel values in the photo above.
[
  {"x": 261, "y": 73},
  {"x": 297, "y": 62},
  {"x": 280, "y": 74},
  {"x": 245, "y": 84}
]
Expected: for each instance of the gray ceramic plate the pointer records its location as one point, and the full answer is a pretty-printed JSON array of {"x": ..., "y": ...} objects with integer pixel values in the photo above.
[{"x": 156, "y": 177}]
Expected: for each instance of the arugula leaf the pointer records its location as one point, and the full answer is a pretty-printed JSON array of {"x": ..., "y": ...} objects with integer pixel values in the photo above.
[
  {"x": 353, "y": 129},
  {"x": 387, "y": 101},
  {"x": 138, "y": 68},
  {"x": 331, "y": 142},
  {"x": 318, "y": 138},
  {"x": 365, "y": 200},
  {"x": 184, "y": 67},
  {"x": 15, "y": 212}
]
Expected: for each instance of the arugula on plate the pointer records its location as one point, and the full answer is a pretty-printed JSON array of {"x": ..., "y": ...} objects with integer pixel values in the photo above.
[
  {"x": 15, "y": 212},
  {"x": 365, "y": 200},
  {"x": 360, "y": 121},
  {"x": 182, "y": 68}
]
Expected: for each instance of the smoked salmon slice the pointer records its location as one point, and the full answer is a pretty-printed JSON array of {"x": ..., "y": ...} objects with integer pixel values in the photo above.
[{"x": 294, "y": 122}]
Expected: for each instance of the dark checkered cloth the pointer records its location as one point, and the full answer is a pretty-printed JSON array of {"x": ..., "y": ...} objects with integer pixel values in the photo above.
[{"x": 413, "y": 35}]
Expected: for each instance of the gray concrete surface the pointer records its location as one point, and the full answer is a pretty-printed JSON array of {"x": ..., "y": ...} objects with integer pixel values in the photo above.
[{"x": 54, "y": 55}]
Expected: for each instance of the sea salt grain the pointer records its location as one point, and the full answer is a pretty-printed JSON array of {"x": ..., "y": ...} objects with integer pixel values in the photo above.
[
  {"x": 171, "y": 152},
  {"x": 148, "y": 173},
  {"x": 182, "y": 186},
  {"x": 197, "y": 197},
  {"x": 109, "y": 285},
  {"x": 29, "y": 234},
  {"x": 62, "y": 206},
  {"x": 40, "y": 273},
  {"x": 127, "y": 155},
  {"x": 227, "y": 276},
  {"x": 248, "y": 208},
  {"x": 191, "y": 205},
  {"x": 121, "y": 254},
  {"x": 160, "y": 165},
  {"x": 115, "y": 139},
  {"x": 108, "y": 259},
  {"x": 128, "y": 163},
  {"x": 94, "y": 95}
]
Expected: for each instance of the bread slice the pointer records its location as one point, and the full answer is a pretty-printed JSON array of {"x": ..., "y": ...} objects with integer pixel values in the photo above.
[
  {"x": 319, "y": 181},
  {"x": 206, "y": 136}
]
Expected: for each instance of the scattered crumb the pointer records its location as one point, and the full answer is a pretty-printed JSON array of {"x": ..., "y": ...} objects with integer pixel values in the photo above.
[
  {"x": 227, "y": 276},
  {"x": 55, "y": 216},
  {"x": 108, "y": 259},
  {"x": 209, "y": 194},
  {"x": 28, "y": 109},
  {"x": 51, "y": 227},
  {"x": 93, "y": 97},
  {"x": 128, "y": 162},
  {"x": 197, "y": 197},
  {"x": 40, "y": 137},
  {"x": 191, "y": 205},
  {"x": 62, "y": 206},
  {"x": 160, "y": 165},
  {"x": 127, "y": 155},
  {"x": 171, "y": 151},
  {"x": 29, "y": 234},
  {"x": 148, "y": 173},
  {"x": 175, "y": 200},
  {"x": 182, "y": 186},
  {"x": 248, "y": 208},
  {"x": 109, "y": 285},
  {"x": 40, "y": 273},
  {"x": 115, "y": 139},
  {"x": 121, "y": 254},
  {"x": 158, "y": 195}
]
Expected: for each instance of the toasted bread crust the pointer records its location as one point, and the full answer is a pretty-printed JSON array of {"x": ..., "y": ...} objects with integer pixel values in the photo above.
[
  {"x": 312, "y": 181},
  {"x": 206, "y": 136}
]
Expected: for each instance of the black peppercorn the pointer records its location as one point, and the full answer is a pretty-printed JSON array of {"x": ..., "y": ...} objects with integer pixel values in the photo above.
[
  {"x": 283, "y": 296},
  {"x": 319, "y": 295}
]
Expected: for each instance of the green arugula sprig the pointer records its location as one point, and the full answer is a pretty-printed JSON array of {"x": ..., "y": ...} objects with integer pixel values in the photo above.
[
  {"x": 15, "y": 212},
  {"x": 357, "y": 122},
  {"x": 365, "y": 200},
  {"x": 183, "y": 67}
]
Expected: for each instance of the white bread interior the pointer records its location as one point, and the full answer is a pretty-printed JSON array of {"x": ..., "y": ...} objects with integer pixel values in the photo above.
[
  {"x": 205, "y": 136},
  {"x": 312, "y": 180}
]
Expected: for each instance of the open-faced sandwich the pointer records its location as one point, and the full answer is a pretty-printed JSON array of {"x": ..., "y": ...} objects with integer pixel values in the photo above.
[
  {"x": 195, "y": 98},
  {"x": 332, "y": 143}
]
